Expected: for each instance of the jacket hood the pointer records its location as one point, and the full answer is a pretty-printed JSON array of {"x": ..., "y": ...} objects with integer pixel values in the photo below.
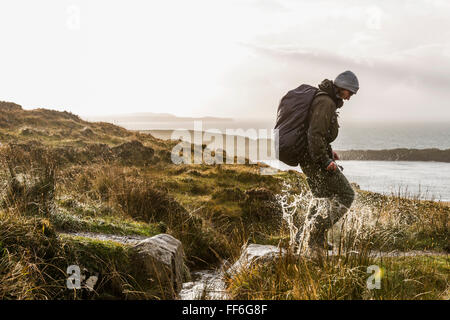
[{"x": 328, "y": 87}]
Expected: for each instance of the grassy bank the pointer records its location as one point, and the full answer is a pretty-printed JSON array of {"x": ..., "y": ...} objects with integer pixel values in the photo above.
[{"x": 337, "y": 278}]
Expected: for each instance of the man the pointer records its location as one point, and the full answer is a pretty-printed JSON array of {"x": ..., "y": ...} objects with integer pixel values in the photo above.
[{"x": 318, "y": 163}]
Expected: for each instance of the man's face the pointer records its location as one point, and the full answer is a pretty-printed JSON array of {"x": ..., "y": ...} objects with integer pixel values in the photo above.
[{"x": 345, "y": 94}]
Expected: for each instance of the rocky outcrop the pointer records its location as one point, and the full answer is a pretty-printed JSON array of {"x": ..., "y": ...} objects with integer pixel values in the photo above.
[
  {"x": 161, "y": 258},
  {"x": 156, "y": 263}
]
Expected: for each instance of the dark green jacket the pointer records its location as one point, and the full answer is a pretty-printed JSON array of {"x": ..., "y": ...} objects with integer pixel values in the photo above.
[{"x": 323, "y": 123}]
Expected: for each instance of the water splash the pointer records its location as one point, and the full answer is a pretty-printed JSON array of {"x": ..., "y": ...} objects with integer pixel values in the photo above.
[
  {"x": 293, "y": 208},
  {"x": 322, "y": 210},
  {"x": 357, "y": 223}
]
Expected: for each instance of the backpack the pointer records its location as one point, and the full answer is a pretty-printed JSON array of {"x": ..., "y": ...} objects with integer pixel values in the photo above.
[{"x": 292, "y": 124}]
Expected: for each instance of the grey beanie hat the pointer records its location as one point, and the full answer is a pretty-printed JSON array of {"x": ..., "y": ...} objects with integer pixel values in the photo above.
[{"x": 347, "y": 80}]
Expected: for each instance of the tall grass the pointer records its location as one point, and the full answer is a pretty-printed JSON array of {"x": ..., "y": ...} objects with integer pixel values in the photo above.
[
  {"x": 371, "y": 226},
  {"x": 30, "y": 180},
  {"x": 29, "y": 257},
  {"x": 213, "y": 210},
  {"x": 346, "y": 277}
]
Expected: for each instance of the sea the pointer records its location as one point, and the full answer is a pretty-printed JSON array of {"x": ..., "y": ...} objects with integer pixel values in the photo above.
[
  {"x": 423, "y": 180},
  {"x": 427, "y": 180}
]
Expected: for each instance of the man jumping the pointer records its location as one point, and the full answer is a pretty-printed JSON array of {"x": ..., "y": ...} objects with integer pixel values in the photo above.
[{"x": 318, "y": 163}]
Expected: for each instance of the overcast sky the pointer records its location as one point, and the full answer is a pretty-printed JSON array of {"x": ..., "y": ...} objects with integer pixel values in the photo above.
[{"x": 224, "y": 58}]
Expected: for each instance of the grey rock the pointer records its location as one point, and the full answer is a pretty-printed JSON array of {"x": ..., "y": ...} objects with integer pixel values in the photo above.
[
  {"x": 162, "y": 258},
  {"x": 255, "y": 254}
]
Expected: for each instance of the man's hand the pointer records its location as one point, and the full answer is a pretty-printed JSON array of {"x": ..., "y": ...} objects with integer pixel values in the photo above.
[
  {"x": 335, "y": 156},
  {"x": 332, "y": 166}
]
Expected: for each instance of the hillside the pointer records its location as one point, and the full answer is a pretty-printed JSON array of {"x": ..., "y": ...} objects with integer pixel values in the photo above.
[
  {"x": 65, "y": 179},
  {"x": 399, "y": 154}
]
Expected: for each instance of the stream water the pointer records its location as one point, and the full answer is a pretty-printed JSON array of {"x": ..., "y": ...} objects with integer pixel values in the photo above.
[{"x": 206, "y": 284}]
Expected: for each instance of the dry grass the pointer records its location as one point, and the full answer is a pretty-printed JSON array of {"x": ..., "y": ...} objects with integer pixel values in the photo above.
[
  {"x": 343, "y": 278},
  {"x": 375, "y": 223}
]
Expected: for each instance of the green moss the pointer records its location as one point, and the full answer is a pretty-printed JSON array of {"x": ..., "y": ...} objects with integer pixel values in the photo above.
[
  {"x": 68, "y": 222},
  {"x": 112, "y": 263}
]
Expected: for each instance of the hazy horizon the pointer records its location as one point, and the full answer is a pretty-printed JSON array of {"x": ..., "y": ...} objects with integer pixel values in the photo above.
[
  {"x": 225, "y": 58},
  {"x": 374, "y": 135},
  {"x": 96, "y": 117}
]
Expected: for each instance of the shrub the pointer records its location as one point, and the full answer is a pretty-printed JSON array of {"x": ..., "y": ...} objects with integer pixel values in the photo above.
[
  {"x": 31, "y": 179},
  {"x": 229, "y": 194},
  {"x": 260, "y": 205}
]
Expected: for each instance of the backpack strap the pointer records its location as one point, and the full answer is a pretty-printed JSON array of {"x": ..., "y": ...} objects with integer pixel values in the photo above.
[{"x": 339, "y": 102}]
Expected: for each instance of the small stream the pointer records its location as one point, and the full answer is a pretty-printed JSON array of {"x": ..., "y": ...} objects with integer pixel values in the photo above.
[
  {"x": 210, "y": 284},
  {"x": 207, "y": 285},
  {"x": 127, "y": 239}
]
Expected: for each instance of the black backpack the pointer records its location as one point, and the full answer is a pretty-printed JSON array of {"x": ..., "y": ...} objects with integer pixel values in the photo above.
[{"x": 292, "y": 124}]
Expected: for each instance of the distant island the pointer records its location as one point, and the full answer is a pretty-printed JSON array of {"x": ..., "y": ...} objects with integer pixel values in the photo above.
[
  {"x": 400, "y": 154},
  {"x": 149, "y": 117}
]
